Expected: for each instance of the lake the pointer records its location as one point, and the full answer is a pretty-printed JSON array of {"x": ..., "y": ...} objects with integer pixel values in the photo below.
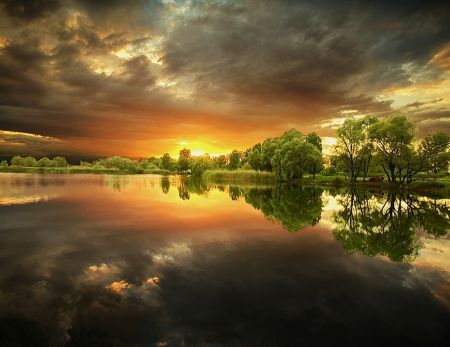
[{"x": 146, "y": 260}]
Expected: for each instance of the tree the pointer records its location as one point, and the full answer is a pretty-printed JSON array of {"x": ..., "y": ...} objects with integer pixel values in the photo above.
[
  {"x": 436, "y": 145},
  {"x": 315, "y": 163},
  {"x": 268, "y": 148},
  {"x": 167, "y": 163},
  {"x": 352, "y": 145},
  {"x": 294, "y": 159},
  {"x": 233, "y": 159},
  {"x": 17, "y": 160},
  {"x": 220, "y": 161},
  {"x": 315, "y": 140},
  {"x": 183, "y": 160},
  {"x": 392, "y": 139},
  {"x": 254, "y": 159},
  {"x": 294, "y": 155},
  {"x": 60, "y": 161},
  {"x": 29, "y": 162},
  {"x": 200, "y": 164},
  {"x": 44, "y": 161},
  {"x": 4, "y": 163}
]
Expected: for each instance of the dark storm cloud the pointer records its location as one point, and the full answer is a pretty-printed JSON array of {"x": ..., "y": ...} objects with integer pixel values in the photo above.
[
  {"x": 432, "y": 121},
  {"x": 419, "y": 104},
  {"x": 29, "y": 10},
  {"x": 309, "y": 52},
  {"x": 263, "y": 55},
  {"x": 143, "y": 15},
  {"x": 26, "y": 54}
]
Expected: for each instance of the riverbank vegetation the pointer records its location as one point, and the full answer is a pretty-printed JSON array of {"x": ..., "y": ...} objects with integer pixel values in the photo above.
[{"x": 386, "y": 152}]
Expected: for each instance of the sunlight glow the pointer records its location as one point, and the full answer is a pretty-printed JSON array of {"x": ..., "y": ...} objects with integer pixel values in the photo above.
[
  {"x": 197, "y": 153},
  {"x": 7, "y": 132},
  {"x": 333, "y": 122},
  {"x": 123, "y": 54}
]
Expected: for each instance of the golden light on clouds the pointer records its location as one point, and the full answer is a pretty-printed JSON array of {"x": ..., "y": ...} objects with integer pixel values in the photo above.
[{"x": 442, "y": 59}]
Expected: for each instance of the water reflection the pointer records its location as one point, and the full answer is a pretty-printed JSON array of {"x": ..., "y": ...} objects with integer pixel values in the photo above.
[
  {"x": 389, "y": 224},
  {"x": 293, "y": 206},
  {"x": 126, "y": 261}
]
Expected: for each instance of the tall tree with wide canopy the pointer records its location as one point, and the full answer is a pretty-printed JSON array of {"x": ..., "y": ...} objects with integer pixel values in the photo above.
[
  {"x": 183, "y": 160},
  {"x": 393, "y": 140},
  {"x": 353, "y": 146},
  {"x": 294, "y": 155},
  {"x": 436, "y": 147}
]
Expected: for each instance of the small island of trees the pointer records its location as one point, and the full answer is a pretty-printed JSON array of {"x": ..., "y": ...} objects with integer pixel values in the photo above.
[{"x": 366, "y": 146}]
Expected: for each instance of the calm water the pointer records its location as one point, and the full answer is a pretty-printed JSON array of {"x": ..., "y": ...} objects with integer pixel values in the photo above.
[{"x": 90, "y": 260}]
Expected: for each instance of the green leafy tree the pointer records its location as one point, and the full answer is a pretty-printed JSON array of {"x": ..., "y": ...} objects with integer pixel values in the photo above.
[
  {"x": 268, "y": 148},
  {"x": 234, "y": 159},
  {"x": 254, "y": 160},
  {"x": 4, "y": 163},
  {"x": 294, "y": 155},
  {"x": 315, "y": 163},
  {"x": 17, "y": 160},
  {"x": 200, "y": 164},
  {"x": 183, "y": 160},
  {"x": 60, "y": 161},
  {"x": 315, "y": 140},
  {"x": 121, "y": 163},
  {"x": 352, "y": 145},
  {"x": 436, "y": 147},
  {"x": 155, "y": 161},
  {"x": 393, "y": 138},
  {"x": 167, "y": 163},
  {"x": 294, "y": 158},
  {"x": 29, "y": 162},
  {"x": 220, "y": 161}
]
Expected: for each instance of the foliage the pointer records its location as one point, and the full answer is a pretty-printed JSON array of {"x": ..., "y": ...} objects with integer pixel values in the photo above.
[
  {"x": 353, "y": 147},
  {"x": 388, "y": 225},
  {"x": 234, "y": 159},
  {"x": 293, "y": 206},
  {"x": 238, "y": 175},
  {"x": 119, "y": 163},
  {"x": 167, "y": 163},
  {"x": 17, "y": 161},
  {"x": 183, "y": 160},
  {"x": 436, "y": 147},
  {"x": 393, "y": 138},
  {"x": 220, "y": 161},
  {"x": 43, "y": 162},
  {"x": 199, "y": 165}
]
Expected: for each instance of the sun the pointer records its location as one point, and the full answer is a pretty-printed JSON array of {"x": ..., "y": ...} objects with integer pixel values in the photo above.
[{"x": 196, "y": 153}]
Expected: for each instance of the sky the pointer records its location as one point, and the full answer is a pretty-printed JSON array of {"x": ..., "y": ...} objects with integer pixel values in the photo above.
[{"x": 140, "y": 78}]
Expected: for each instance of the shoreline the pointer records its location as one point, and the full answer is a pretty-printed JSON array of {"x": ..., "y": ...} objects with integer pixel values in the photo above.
[{"x": 433, "y": 186}]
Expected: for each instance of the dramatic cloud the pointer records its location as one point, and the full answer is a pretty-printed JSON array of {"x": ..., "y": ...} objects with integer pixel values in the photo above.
[{"x": 136, "y": 78}]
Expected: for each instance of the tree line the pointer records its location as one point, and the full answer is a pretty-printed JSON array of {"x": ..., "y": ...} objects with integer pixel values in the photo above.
[
  {"x": 390, "y": 145},
  {"x": 364, "y": 145},
  {"x": 32, "y": 162}
]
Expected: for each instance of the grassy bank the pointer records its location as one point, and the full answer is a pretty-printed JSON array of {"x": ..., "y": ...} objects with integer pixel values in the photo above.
[
  {"x": 76, "y": 169},
  {"x": 239, "y": 175},
  {"x": 429, "y": 185}
]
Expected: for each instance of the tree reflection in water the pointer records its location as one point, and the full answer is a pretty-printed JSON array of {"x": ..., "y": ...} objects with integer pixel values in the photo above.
[
  {"x": 372, "y": 223},
  {"x": 390, "y": 224},
  {"x": 294, "y": 206}
]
